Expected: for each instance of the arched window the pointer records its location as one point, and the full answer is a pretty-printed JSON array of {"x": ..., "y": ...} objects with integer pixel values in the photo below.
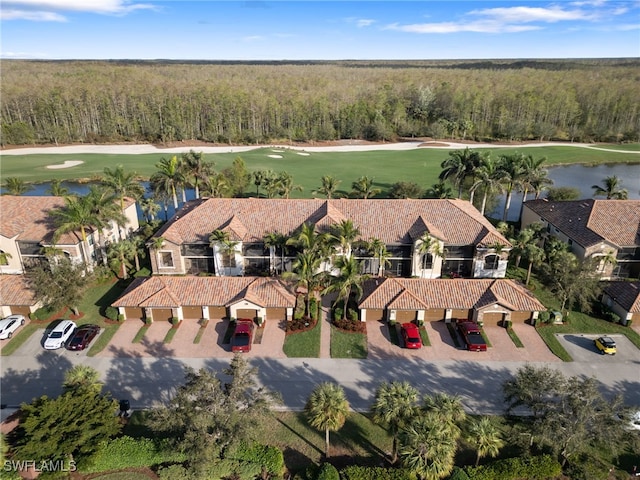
[
  {"x": 427, "y": 261},
  {"x": 491, "y": 262}
]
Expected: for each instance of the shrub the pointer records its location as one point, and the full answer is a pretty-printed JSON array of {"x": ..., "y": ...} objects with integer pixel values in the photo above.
[
  {"x": 148, "y": 321},
  {"x": 328, "y": 472},
  {"x": 458, "y": 474},
  {"x": 535, "y": 468},
  {"x": 356, "y": 472},
  {"x": 264, "y": 457},
  {"x": 298, "y": 324},
  {"x": 111, "y": 313},
  {"x": 121, "y": 317},
  {"x": 350, "y": 325},
  {"x": 313, "y": 308},
  {"x": 175, "y": 320},
  {"x": 42, "y": 313},
  {"x": 175, "y": 472},
  {"x": 544, "y": 317}
]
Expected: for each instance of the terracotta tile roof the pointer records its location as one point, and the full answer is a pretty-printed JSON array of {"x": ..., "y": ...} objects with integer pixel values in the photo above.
[
  {"x": 590, "y": 221},
  {"x": 407, "y": 301},
  {"x": 392, "y": 221},
  {"x": 14, "y": 290},
  {"x": 626, "y": 294},
  {"x": 455, "y": 293},
  {"x": 168, "y": 291},
  {"x": 236, "y": 230}
]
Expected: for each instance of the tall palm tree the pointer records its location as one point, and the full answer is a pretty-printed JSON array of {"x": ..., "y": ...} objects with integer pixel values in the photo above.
[
  {"x": 344, "y": 234},
  {"x": 122, "y": 184},
  {"x": 395, "y": 405},
  {"x": 285, "y": 181},
  {"x": 439, "y": 190},
  {"x": 260, "y": 178},
  {"x": 220, "y": 239},
  {"x": 119, "y": 253},
  {"x": 611, "y": 189},
  {"x": 363, "y": 188},
  {"x": 510, "y": 167},
  {"x": 275, "y": 241},
  {"x": 489, "y": 178},
  {"x": 428, "y": 446},
  {"x": 195, "y": 169},
  {"x": 16, "y": 186},
  {"x": 348, "y": 279},
  {"x": 217, "y": 186},
  {"x": 533, "y": 176},
  {"x": 56, "y": 189},
  {"x": 308, "y": 240},
  {"x": 447, "y": 408},
  {"x": 428, "y": 246},
  {"x": 327, "y": 409},
  {"x": 379, "y": 251},
  {"x": 304, "y": 271},
  {"x": 460, "y": 165},
  {"x": 485, "y": 437},
  {"x": 76, "y": 215},
  {"x": 329, "y": 186},
  {"x": 106, "y": 211},
  {"x": 168, "y": 178},
  {"x": 535, "y": 256},
  {"x": 150, "y": 208}
]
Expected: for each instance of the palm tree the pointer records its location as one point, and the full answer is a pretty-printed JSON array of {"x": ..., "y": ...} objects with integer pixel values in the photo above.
[
  {"x": 168, "y": 178},
  {"x": 485, "y": 437},
  {"x": 4, "y": 258},
  {"x": 285, "y": 181},
  {"x": 260, "y": 178},
  {"x": 395, "y": 405},
  {"x": 363, "y": 188},
  {"x": 439, "y": 190},
  {"x": 275, "y": 241},
  {"x": 460, "y": 165},
  {"x": 122, "y": 184},
  {"x": 348, "y": 279},
  {"x": 532, "y": 175},
  {"x": 196, "y": 169},
  {"x": 217, "y": 186},
  {"x": 82, "y": 376},
  {"x": 150, "y": 208},
  {"x": 535, "y": 256},
  {"x": 344, "y": 234},
  {"x": 56, "y": 189},
  {"x": 447, "y": 408},
  {"x": 305, "y": 274},
  {"x": 327, "y": 409},
  {"x": 329, "y": 186},
  {"x": 106, "y": 211},
  {"x": 428, "y": 446},
  {"x": 611, "y": 189},
  {"x": 428, "y": 246},
  {"x": 16, "y": 186},
  {"x": 227, "y": 246},
  {"x": 379, "y": 251},
  {"x": 76, "y": 214},
  {"x": 510, "y": 167},
  {"x": 309, "y": 241},
  {"x": 489, "y": 177},
  {"x": 119, "y": 253}
]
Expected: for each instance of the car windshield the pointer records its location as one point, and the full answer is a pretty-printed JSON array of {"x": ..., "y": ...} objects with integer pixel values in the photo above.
[
  {"x": 414, "y": 339},
  {"x": 241, "y": 339},
  {"x": 55, "y": 335}
]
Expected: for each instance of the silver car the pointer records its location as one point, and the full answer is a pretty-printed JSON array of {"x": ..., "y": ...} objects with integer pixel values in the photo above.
[
  {"x": 9, "y": 325},
  {"x": 59, "y": 335}
]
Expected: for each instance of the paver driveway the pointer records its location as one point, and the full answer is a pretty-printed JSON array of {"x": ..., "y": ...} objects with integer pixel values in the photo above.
[{"x": 443, "y": 348}]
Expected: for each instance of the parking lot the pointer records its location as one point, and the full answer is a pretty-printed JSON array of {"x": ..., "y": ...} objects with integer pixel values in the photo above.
[{"x": 582, "y": 349}]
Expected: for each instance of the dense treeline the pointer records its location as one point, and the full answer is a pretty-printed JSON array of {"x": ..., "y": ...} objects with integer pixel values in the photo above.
[{"x": 85, "y": 101}]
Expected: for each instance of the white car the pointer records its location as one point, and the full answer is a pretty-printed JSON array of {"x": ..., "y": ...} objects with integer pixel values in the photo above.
[
  {"x": 9, "y": 325},
  {"x": 59, "y": 335}
]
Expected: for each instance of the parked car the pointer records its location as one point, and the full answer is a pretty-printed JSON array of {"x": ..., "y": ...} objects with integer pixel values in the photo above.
[
  {"x": 82, "y": 337},
  {"x": 472, "y": 336},
  {"x": 59, "y": 335},
  {"x": 605, "y": 345},
  {"x": 242, "y": 335},
  {"x": 9, "y": 325},
  {"x": 411, "y": 335}
]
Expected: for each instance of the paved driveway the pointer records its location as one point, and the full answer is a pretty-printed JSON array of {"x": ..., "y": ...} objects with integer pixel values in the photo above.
[
  {"x": 34, "y": 346},
  {"x": 581, "y": 349},
  {"x": 443, "y": 348}
]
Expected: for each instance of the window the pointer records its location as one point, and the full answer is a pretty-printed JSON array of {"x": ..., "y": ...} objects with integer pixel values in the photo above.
[
  {"x": 491, "y": 262},
  {"x": 197, "y": 250},
  {"x": 427, "y": 261},
  {"x": 255, "y": 250},
  {"x": 229, "y": 259},
  {"x": 165, "y": 259}
]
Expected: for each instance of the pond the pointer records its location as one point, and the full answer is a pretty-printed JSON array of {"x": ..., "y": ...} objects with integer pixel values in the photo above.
[{"x": 577, "y": 176}]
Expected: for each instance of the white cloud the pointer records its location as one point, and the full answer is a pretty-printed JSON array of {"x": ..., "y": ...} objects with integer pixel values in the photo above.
[
  {"x": 452, "y": 27},
  {"x": 253, "y": 38},
  {"x": 22, "y": 55},
  {"x": 48, "y": 10},
  {"x": 531, "y": 14},
  {"x": 364, "y": 22}
]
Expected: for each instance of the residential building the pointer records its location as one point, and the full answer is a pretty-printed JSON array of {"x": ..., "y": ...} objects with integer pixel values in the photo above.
[
  {"x": 605, "y": 230},
  {"x": 624, "y": 299},
  {"x": 27, "y": 230},
  {"x": 463, "y": 242},
  {"x": 480, "y": 300},
  {"x": 16, "y": 297}
]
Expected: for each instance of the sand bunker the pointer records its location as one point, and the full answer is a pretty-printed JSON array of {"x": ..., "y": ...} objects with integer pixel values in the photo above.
[
  {"x": 66, "y": 164},
  {"x": 277, "y": 151},
  {"x": 274, "y": 156},
  {"x": 304, "y": 154}
]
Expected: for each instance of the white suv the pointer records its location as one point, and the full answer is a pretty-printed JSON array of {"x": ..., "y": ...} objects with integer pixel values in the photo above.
[{"x": 59, "y": 335}]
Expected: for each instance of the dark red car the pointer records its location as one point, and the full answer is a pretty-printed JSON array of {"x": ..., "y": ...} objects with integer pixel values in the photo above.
[
  {"x": 82, "y": 337},
  {"x": 242, "y": 336},
  {"x": 411, "y": 335}
]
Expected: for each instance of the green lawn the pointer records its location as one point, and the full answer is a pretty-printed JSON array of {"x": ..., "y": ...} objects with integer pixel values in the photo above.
[
  {"x": 125, "y": 475},
  {"x": 348, "y": 344},
  {"x": 303, "y": 344},
  {"x": 421, "y": 166}
]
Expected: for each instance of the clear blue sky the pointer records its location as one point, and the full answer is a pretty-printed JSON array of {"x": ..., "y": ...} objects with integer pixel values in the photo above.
[{"x": 295, "y": 30}]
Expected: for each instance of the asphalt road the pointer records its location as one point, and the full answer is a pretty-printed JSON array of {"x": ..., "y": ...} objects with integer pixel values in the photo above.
[{"x": 145, "y": 381}]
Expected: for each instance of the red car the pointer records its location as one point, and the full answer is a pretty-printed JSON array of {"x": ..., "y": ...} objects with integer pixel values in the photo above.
[
  {"x": 82, "y": 337},
  {"x": 411, "y": 335},
  {"x": 242, "y": 336},
  {"x": 472, "y": 336}
]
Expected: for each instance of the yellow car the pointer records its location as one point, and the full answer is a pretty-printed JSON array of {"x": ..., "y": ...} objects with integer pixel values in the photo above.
[{"x": 605, "y": 345}]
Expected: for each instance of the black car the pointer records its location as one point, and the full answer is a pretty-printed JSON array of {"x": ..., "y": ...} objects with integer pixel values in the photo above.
[{"x": 82, "y": 337}]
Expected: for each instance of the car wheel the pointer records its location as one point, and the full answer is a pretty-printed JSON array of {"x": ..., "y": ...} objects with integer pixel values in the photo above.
[
  {"x": 22, "y": 322},
  {"x": 10, "y": 334}
]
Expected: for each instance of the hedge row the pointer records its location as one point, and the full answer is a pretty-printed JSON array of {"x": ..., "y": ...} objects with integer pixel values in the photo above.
[{"x": 535, "y": 468}]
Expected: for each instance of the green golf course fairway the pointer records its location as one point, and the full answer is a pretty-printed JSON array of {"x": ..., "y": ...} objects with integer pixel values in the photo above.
[{"x": 421, "y": 166}]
